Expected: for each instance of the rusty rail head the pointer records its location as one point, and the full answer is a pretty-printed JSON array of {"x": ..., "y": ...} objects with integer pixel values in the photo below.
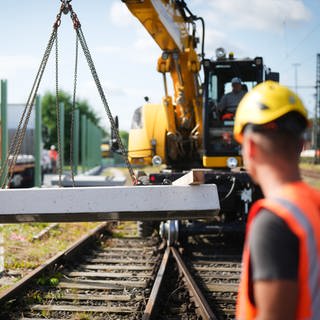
[
  {"x": 201, "y": 303},
  {"x": 150, "y": 307}
]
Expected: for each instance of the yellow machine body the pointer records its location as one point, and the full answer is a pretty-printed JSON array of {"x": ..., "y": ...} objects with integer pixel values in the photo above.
[
  {"x": 148, "y": 138},
  {"x": 178, "y": 122},
  {"x": 182, "y": 130},
  {"x": 219, "y": 162}
]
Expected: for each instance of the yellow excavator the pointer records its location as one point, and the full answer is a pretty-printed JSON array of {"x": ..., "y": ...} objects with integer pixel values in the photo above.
[
  {"x": 187, "y": 129},
  {"x": 171, "y": 130}
]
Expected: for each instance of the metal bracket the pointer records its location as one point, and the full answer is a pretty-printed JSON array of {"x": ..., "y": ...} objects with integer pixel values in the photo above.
[{"x": 246, "y": 197}]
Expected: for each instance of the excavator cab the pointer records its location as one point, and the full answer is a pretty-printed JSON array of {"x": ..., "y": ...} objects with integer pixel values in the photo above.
[{"x": 220, "y": 148}]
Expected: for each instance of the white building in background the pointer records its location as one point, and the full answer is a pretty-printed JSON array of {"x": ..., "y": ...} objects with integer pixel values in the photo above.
[{"x": 15, "y": 112}]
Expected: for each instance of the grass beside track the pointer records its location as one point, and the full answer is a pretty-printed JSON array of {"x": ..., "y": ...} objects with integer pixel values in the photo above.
[
  {"x": 23, "y": 254},
  {"x": 312, "y": 167},
  {"x": 312, "y": 182}
]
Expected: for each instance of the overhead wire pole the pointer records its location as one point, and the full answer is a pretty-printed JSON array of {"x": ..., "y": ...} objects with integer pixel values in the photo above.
[
  {"x": 75, "y": 144},
  {"x": 296, "y": 65},
  {"x": 317, "y": 114},
  {"x": 4, "y": 150},
  {"x": 38, "y": 144},
  {"x": 61, "y": 147},
  {"x": 83, "y": 142},
  {"x": 89, "y": 143},
  {"x": 4, "y": 126}
]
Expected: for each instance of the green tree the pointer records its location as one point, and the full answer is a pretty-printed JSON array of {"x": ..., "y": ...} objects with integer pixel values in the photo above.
[
  {"x": 49, "y": 118},
  {"x": 124, "y": 135}
]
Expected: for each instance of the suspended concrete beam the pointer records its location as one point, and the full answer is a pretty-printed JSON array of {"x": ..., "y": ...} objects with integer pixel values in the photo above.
[
  {"x": 136, "y": 203},
  {"x": 88, "y": 181}
]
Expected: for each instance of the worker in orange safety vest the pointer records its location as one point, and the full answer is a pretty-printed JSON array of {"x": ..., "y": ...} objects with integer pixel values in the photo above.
[
  {"x": 53, "y": 155},
  {"x": 281, "y": 258}
]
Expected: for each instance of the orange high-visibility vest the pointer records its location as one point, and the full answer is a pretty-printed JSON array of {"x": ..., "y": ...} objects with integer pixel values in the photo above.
[
  {"x": 299, "y": 206},
  {"x": 53, "y": 155}
]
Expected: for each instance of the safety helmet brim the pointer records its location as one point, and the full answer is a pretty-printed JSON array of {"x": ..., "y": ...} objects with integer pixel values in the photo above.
[{"x": 265, "y": 103}]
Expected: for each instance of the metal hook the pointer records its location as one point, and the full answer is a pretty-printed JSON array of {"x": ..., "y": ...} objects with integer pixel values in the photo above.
[{"x": 66, "y": 6}]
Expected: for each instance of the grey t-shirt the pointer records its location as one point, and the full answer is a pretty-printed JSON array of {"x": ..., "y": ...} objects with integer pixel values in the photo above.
[
  {"x": 274, "y": 248},
  {"x": 230, "y": 101}
]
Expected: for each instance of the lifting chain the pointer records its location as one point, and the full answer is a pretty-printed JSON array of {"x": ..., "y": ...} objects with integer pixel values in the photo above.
[
  {"x": 73, "y": 109},
  {"x": 87, "y": 54},
  {"x": 7, "y": 168}
]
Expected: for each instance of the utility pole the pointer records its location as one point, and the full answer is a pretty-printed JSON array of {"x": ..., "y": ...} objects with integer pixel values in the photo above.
[
  {"x": 4, "y": 127},
  {"x": 38, "y": 144},
  {"x": 296, "y": 65},
  {"x": 317, "y": 114}
]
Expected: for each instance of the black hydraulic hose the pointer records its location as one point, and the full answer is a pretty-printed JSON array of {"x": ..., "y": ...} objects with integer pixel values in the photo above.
[
  {"x": 183, "y": 6},
  {"x": 203, "y": 36}
]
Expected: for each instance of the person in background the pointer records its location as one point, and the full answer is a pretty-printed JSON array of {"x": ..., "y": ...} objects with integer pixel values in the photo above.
[
  {"x": 229, "y": 102},
  {"x": 281, "y": 258},
  {"x": 53, "y": 154},
  {"x": 244, "y": 87}
]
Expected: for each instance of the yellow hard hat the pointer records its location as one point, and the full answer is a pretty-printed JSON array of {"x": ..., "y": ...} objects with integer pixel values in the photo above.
[{"x": 265, "y": 103}]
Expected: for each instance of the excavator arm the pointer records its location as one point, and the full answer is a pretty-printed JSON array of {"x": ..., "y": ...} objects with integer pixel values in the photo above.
[
  {"x": 174, "y": 32},
  {"x": 163, "y": 21}
]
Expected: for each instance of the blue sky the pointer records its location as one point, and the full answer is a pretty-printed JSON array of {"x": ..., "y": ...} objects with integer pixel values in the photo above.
[{"x": 283, "y": 32}]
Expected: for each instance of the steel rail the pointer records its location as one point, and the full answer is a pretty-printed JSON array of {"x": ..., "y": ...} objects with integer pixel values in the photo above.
[
  {"x": 310, "y": 173},
  {"x": 201, "y": 303},
  {"x": 150, "y": 308},
  {"x": 60, "y": 258}
]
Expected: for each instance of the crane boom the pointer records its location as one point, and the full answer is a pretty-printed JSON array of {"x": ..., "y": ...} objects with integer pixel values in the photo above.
[
  {"x": 174, "y": 32},
  {"x": 164, "y": 23}
]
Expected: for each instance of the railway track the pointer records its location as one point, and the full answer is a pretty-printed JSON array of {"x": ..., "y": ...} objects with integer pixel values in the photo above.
[
  {"x": 310, "y": 173},
  {"x": 105, "y": 281},
  {"x": 130, "y": 278},
  {"x": 215, "y": 264},
  {"x": 208, "y": 271}
]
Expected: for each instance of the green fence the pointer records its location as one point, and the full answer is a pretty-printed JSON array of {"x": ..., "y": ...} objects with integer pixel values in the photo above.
[
  {"x": 91, "y": 137},
  {"x": 86, "y": 142}
]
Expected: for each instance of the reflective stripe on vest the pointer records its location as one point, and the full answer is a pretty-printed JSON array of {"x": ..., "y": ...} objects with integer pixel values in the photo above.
[{"x": 314, "y": 263}]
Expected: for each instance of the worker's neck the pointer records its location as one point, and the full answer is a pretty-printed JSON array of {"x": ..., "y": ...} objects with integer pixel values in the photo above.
[{"x": 272, "y": 177}]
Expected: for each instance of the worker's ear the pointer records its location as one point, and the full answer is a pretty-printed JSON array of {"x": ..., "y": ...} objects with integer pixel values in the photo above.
[
  {"x": 301, "y": 144},
  {"x": 249, "y": 147}
]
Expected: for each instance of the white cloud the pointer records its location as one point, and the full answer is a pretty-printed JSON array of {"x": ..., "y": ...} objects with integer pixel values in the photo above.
[
  {"x": 145, "y": 51},
  {"x": 258, "y": 14},
  {"x": 141, "y": 50},
  {"x": 12, "y": 64},
  {"x": 108, "y": 49},
  {"x": 90, "y": 88},
  {"x": 121, "y": 16},
  {"x": 213, "y": 40}
]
